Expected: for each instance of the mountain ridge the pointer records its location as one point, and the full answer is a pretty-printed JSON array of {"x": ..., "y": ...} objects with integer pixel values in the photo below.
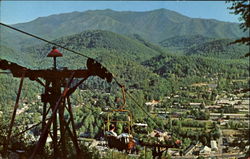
[
  {"x": 153, "y": 26},
  {"x": 97, "y": 10}
]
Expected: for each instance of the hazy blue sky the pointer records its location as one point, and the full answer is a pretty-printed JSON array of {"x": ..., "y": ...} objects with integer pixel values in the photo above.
[{"x": 23, "y": 11}]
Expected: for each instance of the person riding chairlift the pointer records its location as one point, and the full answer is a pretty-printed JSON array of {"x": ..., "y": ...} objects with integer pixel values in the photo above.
[
  {"x": 125, "y": 135},
  {"x": 111, "y": 131}
]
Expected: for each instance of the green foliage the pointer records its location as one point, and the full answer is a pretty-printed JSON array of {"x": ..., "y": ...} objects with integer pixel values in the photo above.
[
  {"x": 199, "y": 45},
  {"x": 200, "y": 115},
  {"x": 88, "y": 121},
  {"x": 169, "y": 66},
  {"x": 242, "y": 8},
  {"x": 218, "y": 48},
  {"x": 186, "y": 142},
  {"x": 102, "y": 39},
  {"x": 185, "y": 41},
  {"x": 236, "y": 125},
  {"x": 189, "y": 123},
  {"x": 227, "y": 109},
  {"x": 215, "y": 133}
]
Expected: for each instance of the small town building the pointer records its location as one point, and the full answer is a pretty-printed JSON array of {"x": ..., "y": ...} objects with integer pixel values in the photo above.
[
  {"x": 205, "y": 150},
  {"x": 214, "y": 146}
]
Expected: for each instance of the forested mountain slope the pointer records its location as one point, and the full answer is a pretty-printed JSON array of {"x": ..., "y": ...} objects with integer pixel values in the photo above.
[
  {"x": 154, "y": 26},
  {"x": 218, "y": 49},
  {"x": 123, "y": 56},
  {"x": 185, "y": 41},
  {"x": 205, "y": 46},
  {"x": 185, "y": 66},
  {"x": 94, "y": 43}
]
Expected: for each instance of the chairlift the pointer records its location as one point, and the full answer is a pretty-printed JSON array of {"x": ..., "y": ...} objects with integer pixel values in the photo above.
[{"x": 113, "y": 141}]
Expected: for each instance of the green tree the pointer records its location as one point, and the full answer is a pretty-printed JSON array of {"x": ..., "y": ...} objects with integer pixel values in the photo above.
[{"x": 242, "y": 8}]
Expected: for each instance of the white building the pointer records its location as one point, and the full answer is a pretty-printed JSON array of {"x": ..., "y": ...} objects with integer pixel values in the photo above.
[
  {"x": 214, "y": 145},
  {"x": 205, "y": 150}
]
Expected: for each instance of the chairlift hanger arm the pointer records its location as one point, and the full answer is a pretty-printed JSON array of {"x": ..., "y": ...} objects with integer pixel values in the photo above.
[{"x": 17, "y": 70}]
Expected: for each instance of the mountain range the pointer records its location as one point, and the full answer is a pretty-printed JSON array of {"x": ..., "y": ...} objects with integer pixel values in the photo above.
[{"x": 154, "y": 26}]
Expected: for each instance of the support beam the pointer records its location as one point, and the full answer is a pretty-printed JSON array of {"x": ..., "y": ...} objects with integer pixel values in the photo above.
[
  {"x": 42, "y": 140},
  {"x": 62, "y": 129},
  {"x": 71, "y": 117},
  {"x": 54, "y": 96},
  {"x": 45, "y": 101},
  {"x": 14, "y": 112},
  {"x": 54, "y": 137},
  {"x": 78, "y": 151},
  {"x": 44, "y": 115}
]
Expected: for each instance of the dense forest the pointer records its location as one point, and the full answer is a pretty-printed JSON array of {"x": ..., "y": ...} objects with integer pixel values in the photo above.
[{"x": 147, "y": 71}]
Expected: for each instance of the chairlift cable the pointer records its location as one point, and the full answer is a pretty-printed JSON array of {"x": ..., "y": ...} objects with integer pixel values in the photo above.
[{"x": 139, "y": 106}]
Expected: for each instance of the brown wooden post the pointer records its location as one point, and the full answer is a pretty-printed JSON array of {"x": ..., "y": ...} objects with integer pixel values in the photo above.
[
  {"x": 71, "y": 117},
  {"x": 78, "y": 151},
  {"x": 55, "y": 94},
  {"x": 73, "y": 136},
  {"x": 45, "y": 104},
  {"x": 62, "y": 128},
  {"x": 44, "y": 114},
  {"x": 14, "y": 112}
]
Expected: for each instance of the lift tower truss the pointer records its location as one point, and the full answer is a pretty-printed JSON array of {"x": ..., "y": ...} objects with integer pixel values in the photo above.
[{"x": 58, "y": 87}]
